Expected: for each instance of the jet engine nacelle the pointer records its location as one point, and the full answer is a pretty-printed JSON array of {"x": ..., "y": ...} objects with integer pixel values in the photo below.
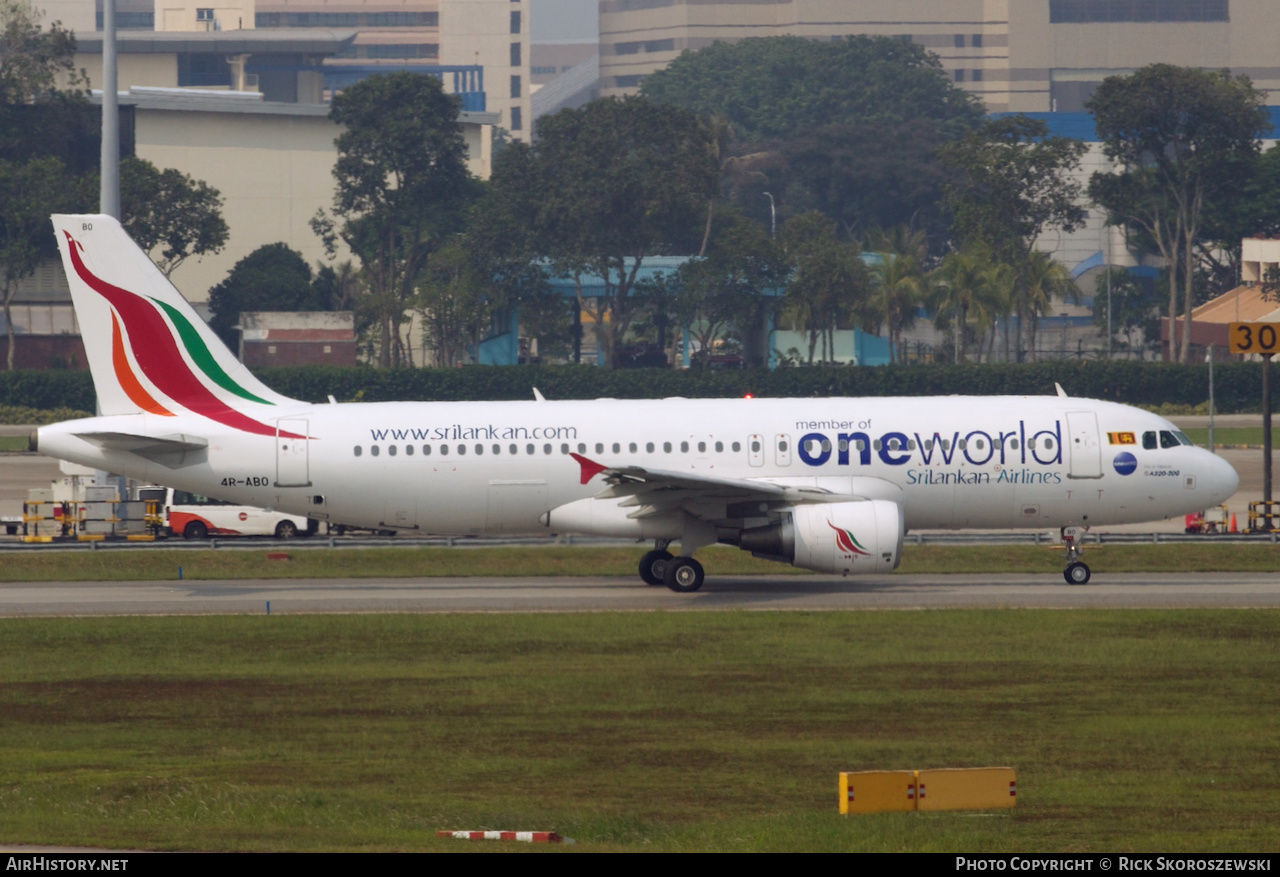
[{"x": 850, "y": 538}]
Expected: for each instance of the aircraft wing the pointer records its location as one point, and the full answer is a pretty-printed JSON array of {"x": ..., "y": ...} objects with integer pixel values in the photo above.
[{"x": 709, "y": 497}]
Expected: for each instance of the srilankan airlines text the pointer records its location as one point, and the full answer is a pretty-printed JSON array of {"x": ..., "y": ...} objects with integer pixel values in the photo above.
[{"x": 458, "y": 432}]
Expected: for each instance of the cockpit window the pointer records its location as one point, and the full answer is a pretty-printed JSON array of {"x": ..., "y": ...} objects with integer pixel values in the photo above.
[
  {"x": 1149, "y": 441},
  {"x": 1182, "y": 437},
  {"x": 1167, "y": 439}
]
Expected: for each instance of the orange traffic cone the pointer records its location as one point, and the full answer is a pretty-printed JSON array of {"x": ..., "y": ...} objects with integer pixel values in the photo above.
[{"x": 1233, "y": 523}]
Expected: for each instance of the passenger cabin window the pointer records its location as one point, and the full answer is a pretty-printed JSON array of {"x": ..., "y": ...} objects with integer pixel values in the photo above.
[
  {"x": 373, "y": 451},
  {"x": 358, "y": 450},
  {"x": 737, "y": 447},
  {"x": 426, "y": 450}
]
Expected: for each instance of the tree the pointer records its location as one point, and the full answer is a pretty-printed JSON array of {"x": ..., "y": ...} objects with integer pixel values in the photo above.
[
  {"x": 1044, "y": 280},
  {"x": 773, "y": 87},
  {"x": 271, "y": 278},
  {"x": 1135, "y": 307},
  {"x": 168, "y": 209},
  {"x": 453, "y": 302},
  {"x": 1246, "y": 209},
  {"x": 900, "y": 279},
  {"x": 1013, "y": 183},
  {"x": 402, "y": 189},
  {"x": 727, "y": 290},
  {"x": 1178, "y": 136},
  {"x": 866, "y": 176},
  {"x": 969, "y": 285},
  {"x": 29, "y": 192},
  {"x": 829, "y": 285},
  {"x": 33, "y": 182},
  {"x": 32, "y": 59},
  {"x": 605, "y": 186},
  {"x": 848, "y": 127}
]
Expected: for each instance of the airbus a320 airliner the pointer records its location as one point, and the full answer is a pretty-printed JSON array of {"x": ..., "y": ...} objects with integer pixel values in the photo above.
[{"x": 830, "y": 485}]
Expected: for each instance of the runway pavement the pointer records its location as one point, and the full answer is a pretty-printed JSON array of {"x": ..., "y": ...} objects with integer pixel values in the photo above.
[{"x": 595, "y": 594}]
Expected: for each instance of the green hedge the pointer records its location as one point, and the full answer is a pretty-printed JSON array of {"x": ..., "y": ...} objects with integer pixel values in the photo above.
[{"x": 1238, "y": 385}]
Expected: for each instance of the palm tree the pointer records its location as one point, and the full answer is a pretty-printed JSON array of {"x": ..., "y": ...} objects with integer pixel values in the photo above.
[
  {"x": 901, "y": 283},
  {"x": 968, "y": 284},
  {"x": 1044, "y": 280},
  {"x": 900, "y": 278}
]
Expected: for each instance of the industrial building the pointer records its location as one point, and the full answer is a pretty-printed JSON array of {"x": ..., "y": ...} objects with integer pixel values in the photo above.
[{"x": 1017, "y": 55}]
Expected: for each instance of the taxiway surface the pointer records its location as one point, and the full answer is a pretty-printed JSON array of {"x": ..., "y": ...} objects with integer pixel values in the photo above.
[{"x": 596, "y": 594}]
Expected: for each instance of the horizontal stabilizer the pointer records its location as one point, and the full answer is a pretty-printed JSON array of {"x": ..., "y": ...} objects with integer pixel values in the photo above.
[{"x": 172, "y": 451}]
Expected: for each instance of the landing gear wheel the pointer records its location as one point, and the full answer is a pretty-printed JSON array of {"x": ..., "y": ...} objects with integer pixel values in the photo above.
[
  {"x": 653, "y": 567},
  {"x": 684, "y": 575},
  {"x": 1077, "y": 573},
  {"x": 286, "y": 530},
  {"x": 195, "y": 530}
]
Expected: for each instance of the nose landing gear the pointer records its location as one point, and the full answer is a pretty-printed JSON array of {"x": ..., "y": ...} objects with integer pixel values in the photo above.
[{"x": 1077, "y": 572}]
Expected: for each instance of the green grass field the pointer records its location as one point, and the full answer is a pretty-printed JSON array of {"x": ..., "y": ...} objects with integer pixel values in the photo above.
[
  {"x": 1235, "y": 436},
  {"x": 250, "y": 563},
  {"x": 1130, "y": 730}
]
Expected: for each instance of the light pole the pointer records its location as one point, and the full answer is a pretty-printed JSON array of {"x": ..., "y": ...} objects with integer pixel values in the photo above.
[
  {"x": 1208, "y": 357},
  {"x": 773, "y": 216}
]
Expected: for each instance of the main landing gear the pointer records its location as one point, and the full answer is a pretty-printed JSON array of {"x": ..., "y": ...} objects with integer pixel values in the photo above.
[
  {"x": 1077, "y": 571},
  {"x": 684, "y": 575},
  {"x": 653, "y": 566}
]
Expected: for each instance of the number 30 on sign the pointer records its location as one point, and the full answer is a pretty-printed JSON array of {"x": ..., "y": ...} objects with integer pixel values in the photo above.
[{"x": 1254, "y": 338}]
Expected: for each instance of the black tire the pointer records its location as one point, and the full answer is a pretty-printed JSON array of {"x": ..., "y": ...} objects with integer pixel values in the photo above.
[
  {"x": 286, "y": 530},
  {"x": 1077, "y": 573},
  {"x": 653, "y": 567},
  {"x": 195, "y": 530},
  {"x": 684, "y": 575}
]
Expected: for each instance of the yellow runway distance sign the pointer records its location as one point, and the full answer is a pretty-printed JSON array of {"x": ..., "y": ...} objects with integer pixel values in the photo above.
[{"x": 1254, "y": 338}]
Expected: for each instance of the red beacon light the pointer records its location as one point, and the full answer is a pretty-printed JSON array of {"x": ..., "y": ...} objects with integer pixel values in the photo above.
[{"x": 748, "y": 396}]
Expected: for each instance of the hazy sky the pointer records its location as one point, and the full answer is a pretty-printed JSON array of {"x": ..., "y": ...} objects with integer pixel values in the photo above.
[{"x": 563, "y": 20}]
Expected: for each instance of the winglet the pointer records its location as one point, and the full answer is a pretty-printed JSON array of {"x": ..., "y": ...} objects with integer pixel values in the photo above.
[
  {"x": 590, "y": 468},
  {"x": 538, "y": 397},
  {"x": 1061, "y": 392}
]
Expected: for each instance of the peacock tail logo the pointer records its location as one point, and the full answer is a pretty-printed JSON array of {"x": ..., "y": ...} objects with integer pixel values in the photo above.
[
  {"x": 155, "y": 352},
  {"x": 847, "y": 542}
]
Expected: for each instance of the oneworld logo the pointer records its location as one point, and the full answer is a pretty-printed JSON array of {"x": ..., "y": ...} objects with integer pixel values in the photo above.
[{"x": 1125, "y": 463}]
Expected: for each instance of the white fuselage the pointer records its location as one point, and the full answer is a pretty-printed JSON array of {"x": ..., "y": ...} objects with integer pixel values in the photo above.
[{"x": 499, "y": 467}]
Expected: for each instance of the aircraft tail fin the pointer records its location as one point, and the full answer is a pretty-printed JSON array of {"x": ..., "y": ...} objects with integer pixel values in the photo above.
[{"x": 148, "y": 350}]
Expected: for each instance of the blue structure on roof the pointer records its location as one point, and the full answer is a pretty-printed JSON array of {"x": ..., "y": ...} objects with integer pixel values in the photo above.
[
  {"x": 1080, "y": 126},
  {"x": 467, "y": 79}
]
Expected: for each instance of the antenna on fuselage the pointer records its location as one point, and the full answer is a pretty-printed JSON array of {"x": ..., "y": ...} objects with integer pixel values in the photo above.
[
  {"x": 1061, "y": 392},
  {"x": 538, "y": 397}
]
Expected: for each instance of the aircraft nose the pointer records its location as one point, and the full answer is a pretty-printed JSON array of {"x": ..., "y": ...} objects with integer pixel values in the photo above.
[{"x": 1223, "y": 480}]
